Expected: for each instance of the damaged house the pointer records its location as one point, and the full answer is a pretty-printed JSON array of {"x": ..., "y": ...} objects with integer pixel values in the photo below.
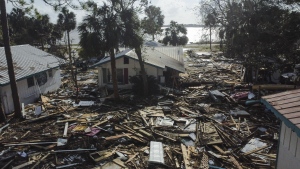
[
  {"x": 286, "y": 107},
  {"x": 164, "y": 63},
  {"x": 36, "y": 72}
]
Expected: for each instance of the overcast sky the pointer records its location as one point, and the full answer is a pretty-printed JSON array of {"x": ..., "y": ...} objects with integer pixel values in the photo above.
[{"x": 180, "y": 11}]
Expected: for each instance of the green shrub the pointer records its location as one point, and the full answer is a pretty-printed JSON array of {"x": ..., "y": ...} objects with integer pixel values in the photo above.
[{"x": 138, "y": 86}]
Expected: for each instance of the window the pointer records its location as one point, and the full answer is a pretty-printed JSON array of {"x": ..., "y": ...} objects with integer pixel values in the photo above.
[
  {"x": 50, "y": 73},
  {"x": 30, "y": 82},
  {"x": 126, "y": 60},
  {"x": 106, "y": 75},
  {"x": 41, "y": 78},
  {"x": 120, "y": 77}
]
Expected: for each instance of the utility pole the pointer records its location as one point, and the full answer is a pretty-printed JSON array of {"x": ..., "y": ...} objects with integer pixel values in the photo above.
[{"x": 11, "y": 73}]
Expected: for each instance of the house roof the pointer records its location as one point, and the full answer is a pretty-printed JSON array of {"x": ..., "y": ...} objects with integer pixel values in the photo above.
[
  {"x": 28, "y": 61},
  {"x": 152, "y": 56},
  {"x": 286, "y": 107},
  {"x": 153, "y": 43}
]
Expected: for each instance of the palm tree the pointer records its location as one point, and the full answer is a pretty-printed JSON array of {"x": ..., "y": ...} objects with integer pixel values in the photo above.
[
  {"x": 40, "y": 29},
  {"x": 92, "y": 41},
  {"x": 67, "y": 21},
  {"x": 132, "y": 38},
  {"x": 210, "y": 21},
  {"x": 153, "y": 21}
]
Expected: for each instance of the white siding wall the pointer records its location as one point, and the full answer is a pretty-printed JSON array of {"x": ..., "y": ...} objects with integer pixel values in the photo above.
[
  {"x": 174, "y": 52},
  {"x": 289, "y": 149},
  {"x": 132, "y": 66},
  {"x": 29, "y": 95}
]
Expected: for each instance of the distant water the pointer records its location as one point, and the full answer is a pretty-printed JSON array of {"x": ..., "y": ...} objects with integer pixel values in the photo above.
[{"x": 195, "y": 34}]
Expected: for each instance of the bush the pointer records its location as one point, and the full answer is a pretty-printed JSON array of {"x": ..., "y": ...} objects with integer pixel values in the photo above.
[{"x": 138, "y": 86}]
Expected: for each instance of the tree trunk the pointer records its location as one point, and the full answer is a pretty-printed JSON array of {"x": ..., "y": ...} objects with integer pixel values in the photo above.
[
  {"x": 144, "y": 75},
  {"x": 114, "y": 73},
  {"x": 42, "y": 41},
  {"x": 153, "y": 37},
  {"x": 210, "y": 37},
  {"x": 74, "y": 77},
  {"x": 11, "y": 73}
]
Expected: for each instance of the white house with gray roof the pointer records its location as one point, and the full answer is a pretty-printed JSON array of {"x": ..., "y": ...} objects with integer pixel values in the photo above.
[
  {"x": 161, "y": 62},
  {"x": 36, "y": 72}
]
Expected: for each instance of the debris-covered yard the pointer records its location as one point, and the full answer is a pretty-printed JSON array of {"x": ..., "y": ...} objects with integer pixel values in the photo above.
[{"x": 210, "y": 120}]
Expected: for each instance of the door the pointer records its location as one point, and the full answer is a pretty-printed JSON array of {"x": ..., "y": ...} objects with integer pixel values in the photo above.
[
  {"x": 104, "y": 75},
  {"x": 126, "y": 75},
  {"x": 120, "y": 75}
]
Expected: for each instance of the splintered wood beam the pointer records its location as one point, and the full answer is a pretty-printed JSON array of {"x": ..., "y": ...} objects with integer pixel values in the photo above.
[
  {"x": 131, "y": 158},
  {"x": 187, "y": 110},
  {"x": 37, "y": 163},
  {"x": 117, "y": 136},
  {"x": 161, "y": 135},
  {"x": 185, "y": 157},
  {"x": 99, "y": 123},
  {"x": 235, "y": 162},
  {"x": 145, "y": 121},
  {"x": 24, "y": 165}
]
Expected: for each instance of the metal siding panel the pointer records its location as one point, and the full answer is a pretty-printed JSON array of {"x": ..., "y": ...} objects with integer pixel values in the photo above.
[
  {"x": 293, "y": 145},
  {"x": 287, "y": 137},
  {"x": 282, "y": 133}
]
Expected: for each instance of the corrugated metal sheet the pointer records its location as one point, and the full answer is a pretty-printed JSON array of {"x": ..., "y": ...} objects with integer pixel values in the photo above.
[
  {"x": 28, "y": 61},
  {"x": 155, "y": 57},
  {"x": 286, "y": 106}
]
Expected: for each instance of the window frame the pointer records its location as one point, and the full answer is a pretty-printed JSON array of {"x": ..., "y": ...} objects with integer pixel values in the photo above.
[
  {"x": 126, "y": 60},
  {"x": 30, "y": 81}
]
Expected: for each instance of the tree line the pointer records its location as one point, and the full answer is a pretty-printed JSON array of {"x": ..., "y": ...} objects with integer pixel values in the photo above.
[{"x": 258, "y": 33}]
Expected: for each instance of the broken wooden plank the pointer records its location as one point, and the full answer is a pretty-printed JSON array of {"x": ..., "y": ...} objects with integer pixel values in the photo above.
[
  {"x": 117, "y": 136},
  {"x": 7, "y": 164},
  {"x": 39, "y": 161},
  {"x": 145, "y": 133},
  {"x": 145, "y": 121},
  {"x": 119, "y": 162},
  {"x": 161, "y": 135},
  {"x": 24, "y": 165},
  {"x": 131, "y": 158},
  {"x": 187, "y": 110},
  {"x": 25, "y": 134},
  {"x": 220, "y": 150},
  {"x": 186, "y": 160},
  {"x": 235, "y": 162},
  {"x": 100, "y": 123}
]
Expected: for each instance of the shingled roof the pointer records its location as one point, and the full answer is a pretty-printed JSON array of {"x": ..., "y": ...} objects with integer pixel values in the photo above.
[
  {"x": 286, "y": 107},
  {"x": 28, "y": 61}
]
